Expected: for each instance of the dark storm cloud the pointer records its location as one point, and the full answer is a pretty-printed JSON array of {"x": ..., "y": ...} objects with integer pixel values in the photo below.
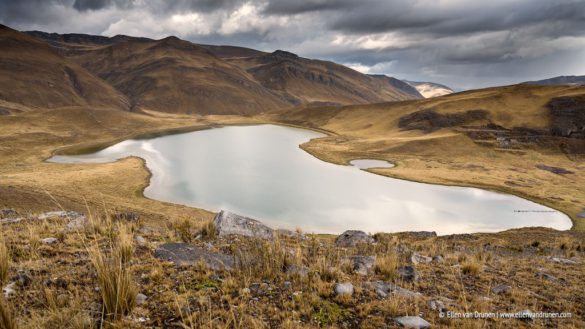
[{"x": 463, "y": 43}]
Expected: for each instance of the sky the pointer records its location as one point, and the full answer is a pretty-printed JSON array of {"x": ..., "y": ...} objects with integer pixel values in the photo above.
[{"x": 464, "y": 44}]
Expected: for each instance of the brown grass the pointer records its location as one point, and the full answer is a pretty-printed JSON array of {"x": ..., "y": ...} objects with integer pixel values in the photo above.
[
  {"x": 4, "y": 262},
  {"x": 7, "y": 320},
  {"x": 387, "y": 265}
]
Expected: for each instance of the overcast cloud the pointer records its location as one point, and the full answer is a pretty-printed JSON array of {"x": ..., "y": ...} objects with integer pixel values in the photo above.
[{"x": 463, "y": 44}]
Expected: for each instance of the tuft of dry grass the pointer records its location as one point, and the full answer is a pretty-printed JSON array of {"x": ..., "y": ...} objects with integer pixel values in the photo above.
[
  {"x": 4, "y": 262},
  {"x": 7, "y": 320},
  {"x": 471, "y": 268},
  {"x": 387, "y": 266},
  {"x": 115, "y": 281},
  {"x": 124, "y": 244}
]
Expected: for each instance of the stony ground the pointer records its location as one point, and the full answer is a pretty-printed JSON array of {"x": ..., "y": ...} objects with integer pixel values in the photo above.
[{"x": 236, "y": 273}]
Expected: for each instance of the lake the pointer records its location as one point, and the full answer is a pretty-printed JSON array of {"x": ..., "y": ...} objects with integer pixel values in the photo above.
[{"x": 260, "y": 172}]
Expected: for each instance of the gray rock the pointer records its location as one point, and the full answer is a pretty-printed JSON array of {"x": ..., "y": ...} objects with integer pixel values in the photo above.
[
  {"x": 7, "y": 212},
  {"x": 502, "y": 289},
  {"x": 9, "y": 290},
  {"x": 129, "y": 216},
  {"x": 351, "y": 238},
  {"x": 564, "y": 261},
  {"x": 362, "y": 264},
  {"x": 581, "y": 214},
  {"x": 418, "y": 259},
  {"x": 526, "y": 315},
  {"x": 412, "y": 322},
  {"x": 437, "y": 305},
  {"x": 545, "y": 276},
  {"x": 420, "y": 234},
  {"x": 343, "y": 288},
  {"x": 301, "y": 271},
  {"x": 383, "y": 289},
  {"x": 11, "y": 220},
  {"x": 140, "y": 240},
  {"x": 75, "y": 225},
  {"x": 49, "y": 240},
  {"x": 184, "y": 254},
  {"x": 438, "y": 259},
  {"x": 22, "y": 279},
  {"x": 408, "y": 273},
  {"x": 141, "y": 299},
  {"x": 60, "y": 214},
  {"x": 227, "y": 223}
]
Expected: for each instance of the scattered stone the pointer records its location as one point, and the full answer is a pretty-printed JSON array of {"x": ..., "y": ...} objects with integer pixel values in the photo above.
[
  {"x": 128, "y": 216},
  {"x": 76, "y": 224},
  {"x": 141, "y": 299},
  {"x": 351, "y": 238},
  {"x": 56, "y": 282},
  {"x": 287, "y": 285},
  {"x": 502, "y": 289},
  {"x": 438, "y": 259},
  {"x": 11, "y": 220},
  {"x": 412, "y": 322},
  {"x": 554, "y": 170},
  {"x": 21, "y": 279},
  {"x": 60, "y": 214},
  {"x": 343, "y": 289},
  {"x": 408, "y": 273},
  {"x": 140, "y": 240},
  {"x": 383, "y": 289},
  {"x": 301, "y": 271},
  {"x": 526, "y": 315},
  {"x": 184, "y": 254},
  {"x": 9, "y": 290},
  {"x": 7, "y": 212},
  {"x": 564, "y": 261},
  {"x": 49, "y": 240},
  {"x": 227, "y": 223},
  {"x": 437, "y": 305},
  {"x": 417, "y": 259},
  {"x": 545, "y": 276},
  {"x": 362, "y": 264},
  {"x": 581, "y": 214}
]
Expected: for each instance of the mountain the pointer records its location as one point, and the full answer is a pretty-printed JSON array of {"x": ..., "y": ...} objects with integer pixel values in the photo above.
[
  {"x": 399, "y": 84},
  {"x": 562, "y": 80},
  {"x": 33, "y": 74},
  {"x": 431, "y": 89},
  {"x": 174, "y": 75}
]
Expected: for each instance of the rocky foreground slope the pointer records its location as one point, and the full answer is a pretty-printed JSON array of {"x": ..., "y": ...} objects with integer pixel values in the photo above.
[{"x": 70, "y": 270}]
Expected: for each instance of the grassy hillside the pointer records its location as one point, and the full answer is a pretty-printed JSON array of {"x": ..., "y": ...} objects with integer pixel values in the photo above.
[
  {"x": 32, "y": 74},
  {"x": 455, "y": 147}
]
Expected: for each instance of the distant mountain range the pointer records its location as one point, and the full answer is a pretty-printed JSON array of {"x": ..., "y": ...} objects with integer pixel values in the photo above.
[
  {"x": 562, "y": 80},
  {"x": 172, "y": 75},
  {"x": 430, "y": 89}
]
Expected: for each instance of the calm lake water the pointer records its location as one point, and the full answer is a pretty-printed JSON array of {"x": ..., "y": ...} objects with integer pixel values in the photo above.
[{"x": 260, "y": 171}]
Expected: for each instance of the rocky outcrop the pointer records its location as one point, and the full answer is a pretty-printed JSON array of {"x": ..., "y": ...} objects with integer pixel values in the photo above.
[
  {"x": 362, "y": 264},
  {"x": 430, "y": 120},
  {"x": 351, "y": 238},
  {"x": 412, "y": 322},
  {"x": 227, "y": 223},
  {"x": 567, "y": 116},
  {"x": 184, "y": 254},
  {"x": 554, "y": 170}
]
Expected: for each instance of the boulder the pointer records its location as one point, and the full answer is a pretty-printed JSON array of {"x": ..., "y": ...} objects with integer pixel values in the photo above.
[
  {"x": 408, "y": 273},
  {"x": 343, "y": 289},
  {"x": 351, "y": 238},
  {"x": 412, "y": 322},
  {"x": 61, "y": 214},
  {"x": 184, "y": 254},
  {"x": 227, "y": 223},
  {"x": 502, "y": 289},
  {"x": 438, "y": 259},
  {"x": 362, "y": 264}
]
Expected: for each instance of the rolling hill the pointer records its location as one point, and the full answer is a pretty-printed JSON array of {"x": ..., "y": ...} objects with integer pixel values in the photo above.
[
  {"x": 173, "y": 75},
  {"x": 561, "y": 80},
  {"x": 32, "y": 74}
]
